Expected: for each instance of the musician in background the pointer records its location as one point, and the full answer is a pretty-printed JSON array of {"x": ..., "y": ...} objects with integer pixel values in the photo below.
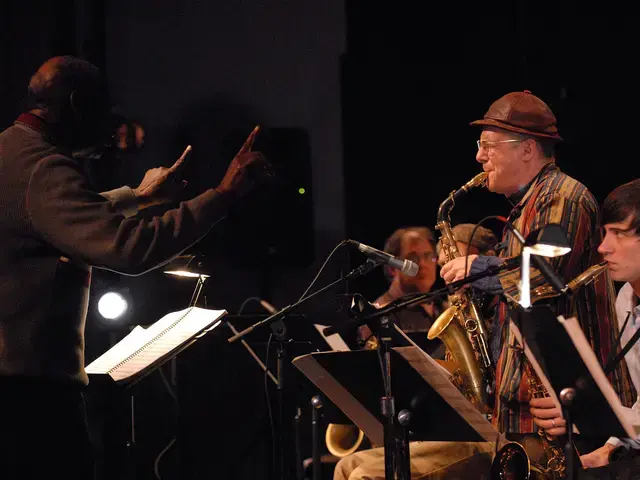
[
  {"x": 54, "y": 228},
  {"x": 418, "y": 245},
  {"x": 516, "y": 149},
  {"x": 621, "y": 249}
]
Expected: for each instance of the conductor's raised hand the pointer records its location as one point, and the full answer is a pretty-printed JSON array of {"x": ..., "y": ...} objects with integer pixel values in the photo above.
[
  {"x": 243, "y": 168},
  {"x": 161, "y": 184}
]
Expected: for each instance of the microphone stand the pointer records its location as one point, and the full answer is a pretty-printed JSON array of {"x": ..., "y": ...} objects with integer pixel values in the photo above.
[
  {"x": 276, "y": 323},
  {"x": 411, "y": 300},
  {"x": 396, "y": 440}
]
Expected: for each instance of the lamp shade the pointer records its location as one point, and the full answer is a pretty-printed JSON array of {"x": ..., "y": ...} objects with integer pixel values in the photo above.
[
  {"x": 194, "y": 266},
  {"x": 548, "y": 241}
]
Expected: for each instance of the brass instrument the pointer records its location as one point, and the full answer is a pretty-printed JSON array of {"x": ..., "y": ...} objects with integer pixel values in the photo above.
[
  {"x": 461, "y": 326},
  {"x": 343, "y": 440},
  {"x": 512, "y": 460}
]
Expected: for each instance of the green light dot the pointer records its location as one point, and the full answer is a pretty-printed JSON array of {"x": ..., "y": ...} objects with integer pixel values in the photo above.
[{"x": 301, "y": 191}]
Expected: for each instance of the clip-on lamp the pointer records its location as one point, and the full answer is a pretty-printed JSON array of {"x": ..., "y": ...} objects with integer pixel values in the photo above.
[{"x": 187, "y": 266}]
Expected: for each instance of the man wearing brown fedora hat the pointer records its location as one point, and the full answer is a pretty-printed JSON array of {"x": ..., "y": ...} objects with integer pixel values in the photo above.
[{"x": 516, "y": 149}]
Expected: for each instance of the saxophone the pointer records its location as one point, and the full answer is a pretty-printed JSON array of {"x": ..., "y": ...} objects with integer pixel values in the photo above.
[
  {"x": 461, "y": 326},
  {"x": 512, "y": 460}
]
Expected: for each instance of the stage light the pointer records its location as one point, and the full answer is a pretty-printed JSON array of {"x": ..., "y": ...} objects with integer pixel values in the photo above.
[{"x": 112, "y": 305}]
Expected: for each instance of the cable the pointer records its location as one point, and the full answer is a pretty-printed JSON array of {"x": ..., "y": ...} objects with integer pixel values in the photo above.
[
  {"x": 335, "y": 249},
  {"x": 156, "y": 463},
  {"x": 269, "y": 412},
  {"x": 246, "y": 301}
]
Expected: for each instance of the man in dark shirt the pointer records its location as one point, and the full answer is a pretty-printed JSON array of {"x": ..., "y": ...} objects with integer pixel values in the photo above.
[{"x": 54, "y": 228}]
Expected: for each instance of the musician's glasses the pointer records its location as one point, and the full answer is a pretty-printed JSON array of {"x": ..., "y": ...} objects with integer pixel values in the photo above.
[
  {"x": 488, "y": 145},
  {"x": 429, "y": 257}
]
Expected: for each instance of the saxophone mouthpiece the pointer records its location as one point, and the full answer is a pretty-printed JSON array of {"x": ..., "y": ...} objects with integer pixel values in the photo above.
[{"x": 479, "y": 180}]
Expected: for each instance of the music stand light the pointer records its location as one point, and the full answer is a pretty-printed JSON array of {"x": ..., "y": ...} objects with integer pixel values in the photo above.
[
  {"x": 190, "y": 266},
  {"x": 549, "y": 241}
]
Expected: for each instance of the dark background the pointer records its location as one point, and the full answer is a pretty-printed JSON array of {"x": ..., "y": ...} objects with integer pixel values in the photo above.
[{"x": 366, "y": 106}]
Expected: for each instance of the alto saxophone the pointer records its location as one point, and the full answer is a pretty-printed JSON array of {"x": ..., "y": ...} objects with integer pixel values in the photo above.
[
  {"x": 512, "y": 460},
  {"x": 461, "y": 326}
]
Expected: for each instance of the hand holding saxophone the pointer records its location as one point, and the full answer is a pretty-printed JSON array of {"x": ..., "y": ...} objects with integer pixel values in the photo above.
[
  {"x": 454, "y": 270},
  {"x": 547, "y": 416}
]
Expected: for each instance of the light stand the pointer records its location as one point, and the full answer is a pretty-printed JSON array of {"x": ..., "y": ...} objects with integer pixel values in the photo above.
[
  {"x": 198, "y": 290},
  {"x": 279, "y": 331}
]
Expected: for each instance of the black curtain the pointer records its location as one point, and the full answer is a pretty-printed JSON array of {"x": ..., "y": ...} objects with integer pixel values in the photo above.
[{"x": 33, "y": 31}]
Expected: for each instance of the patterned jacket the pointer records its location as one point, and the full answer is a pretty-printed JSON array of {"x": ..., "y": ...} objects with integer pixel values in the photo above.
[{"x": 554, "y": 197}]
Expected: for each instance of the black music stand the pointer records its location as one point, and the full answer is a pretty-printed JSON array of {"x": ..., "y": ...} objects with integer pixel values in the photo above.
[
  {"x": 428, "y": 406},
  {"x": 112, "y": 389},
  {"x": 567, "y": 366}
]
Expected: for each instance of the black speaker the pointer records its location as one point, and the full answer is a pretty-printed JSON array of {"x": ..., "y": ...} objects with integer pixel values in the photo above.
[{"x": 274, "y": 225}]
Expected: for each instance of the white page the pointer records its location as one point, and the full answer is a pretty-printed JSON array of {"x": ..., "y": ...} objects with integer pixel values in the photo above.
[
  {"x": 125, "y": 347},
  {"x": 148, "y": 345},
  {"x": 581, "y": 343},
  {"x": 335, "y": 341}
]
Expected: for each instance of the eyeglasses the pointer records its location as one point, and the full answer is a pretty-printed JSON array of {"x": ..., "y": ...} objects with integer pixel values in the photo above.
[
  {"x": 427, "y": 256},
  {"x": 487, "y": 145}
]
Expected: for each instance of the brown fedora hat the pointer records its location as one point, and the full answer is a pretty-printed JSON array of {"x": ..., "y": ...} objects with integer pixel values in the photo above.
[{"x": 521, "y": 112}]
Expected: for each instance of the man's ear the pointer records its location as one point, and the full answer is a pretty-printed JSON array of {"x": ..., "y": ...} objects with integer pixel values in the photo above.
[
  {"x": 76, "y": 104},
  {"x": 529, "y": 148}
]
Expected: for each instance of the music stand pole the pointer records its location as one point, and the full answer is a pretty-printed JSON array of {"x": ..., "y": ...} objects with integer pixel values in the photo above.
[
  {"x": 567, "y": 396},
  {"x": 316, "y": 405},
  {"x": 279, "y": 330},
  {"x": 396, "y": 448},
  {"x": 280, "y": 333}
]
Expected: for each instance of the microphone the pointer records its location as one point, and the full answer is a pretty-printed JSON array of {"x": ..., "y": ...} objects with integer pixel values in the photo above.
[{"x": 405, "y": 266}]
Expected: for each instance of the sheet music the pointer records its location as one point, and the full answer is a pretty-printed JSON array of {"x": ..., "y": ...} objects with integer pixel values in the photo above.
[
  {"x": 359, "y": 415},
  {"x": 439, "y": 379},
  {"x": 125, "y": 347},
  {"x": 581, "y": 343},
  {"x": 335, "y": 341},
  {"x": 142, "y": 347},
  {"x": 534, "y": 363}
]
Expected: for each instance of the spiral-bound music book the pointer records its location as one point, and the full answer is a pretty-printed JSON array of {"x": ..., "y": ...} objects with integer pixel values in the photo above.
[{"x": 144, "y": 349}]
